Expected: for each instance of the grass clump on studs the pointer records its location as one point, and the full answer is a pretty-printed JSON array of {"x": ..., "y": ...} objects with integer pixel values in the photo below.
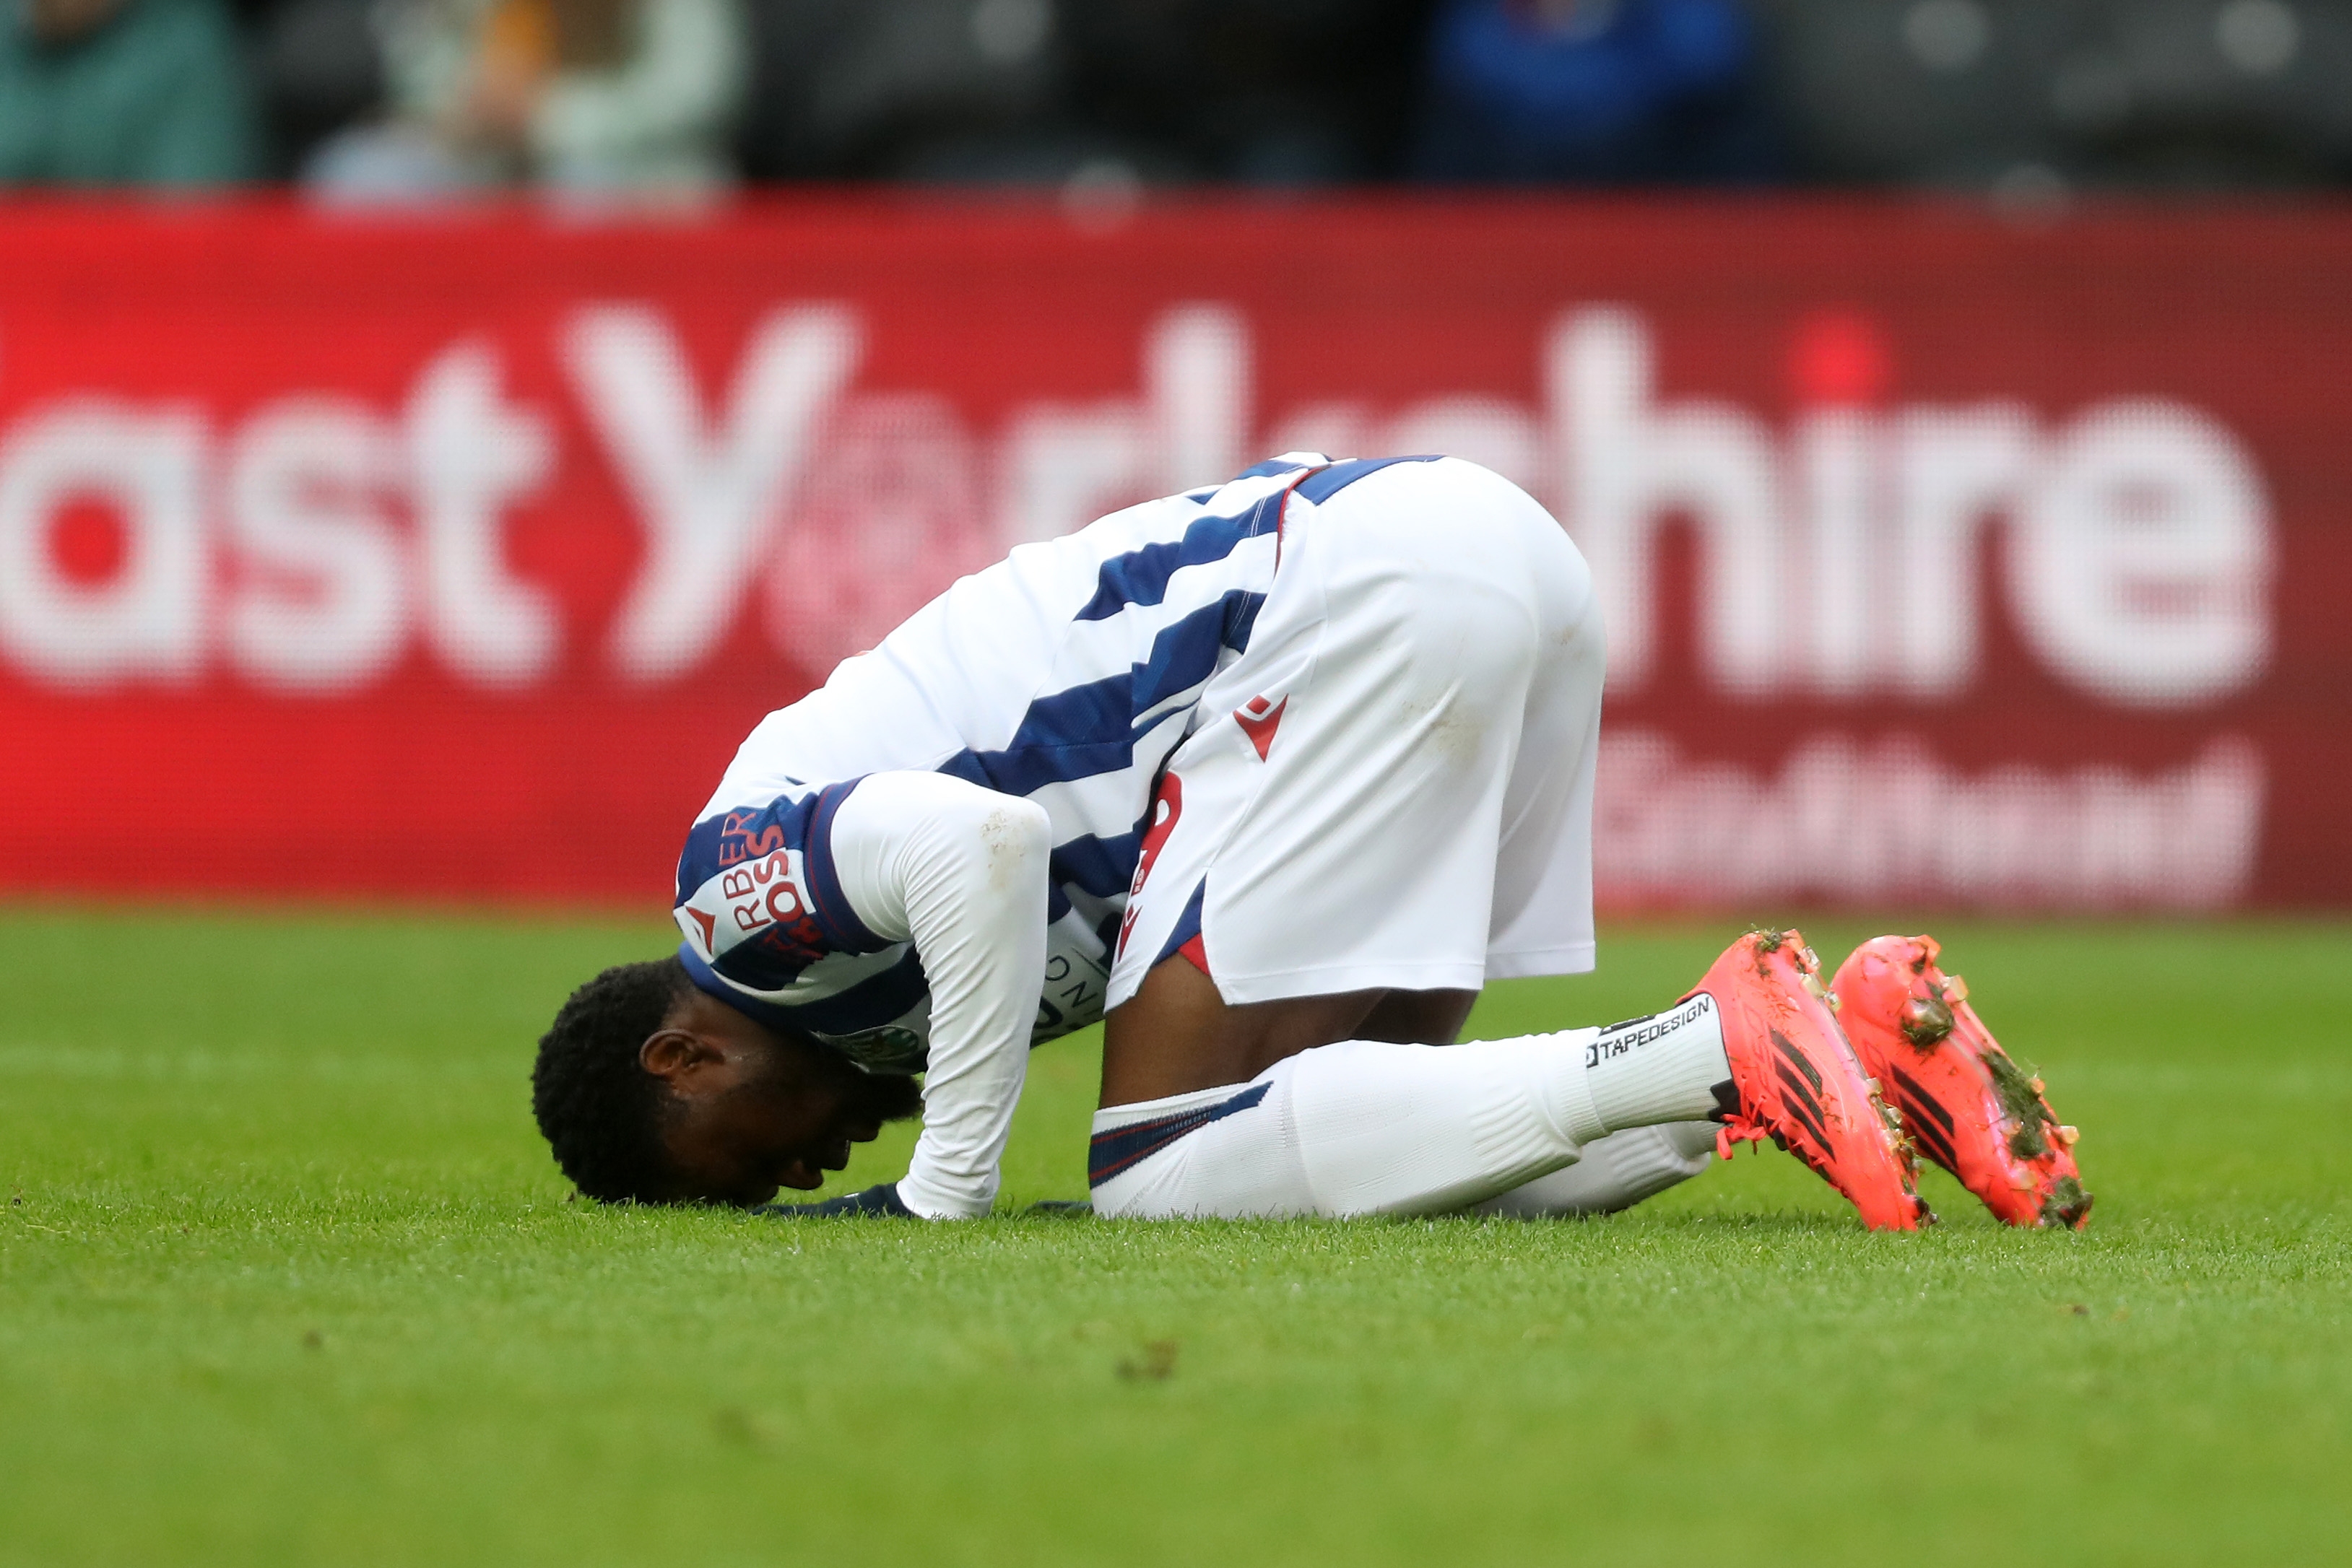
[{"x": 2021, "y": 1101}]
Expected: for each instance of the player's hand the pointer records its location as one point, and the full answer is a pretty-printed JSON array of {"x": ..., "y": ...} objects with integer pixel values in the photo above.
[{"x": 875, "y": 1203}]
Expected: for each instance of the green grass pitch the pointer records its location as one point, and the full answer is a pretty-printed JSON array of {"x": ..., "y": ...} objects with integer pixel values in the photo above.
[{"x": 287, "y": 1278}]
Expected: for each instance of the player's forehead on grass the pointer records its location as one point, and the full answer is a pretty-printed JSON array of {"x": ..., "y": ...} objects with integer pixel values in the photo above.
[{"x": 650, "y": 1091}]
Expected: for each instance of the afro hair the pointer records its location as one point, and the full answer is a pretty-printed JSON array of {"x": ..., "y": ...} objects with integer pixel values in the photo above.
[{"x": 600, "y": 1108}]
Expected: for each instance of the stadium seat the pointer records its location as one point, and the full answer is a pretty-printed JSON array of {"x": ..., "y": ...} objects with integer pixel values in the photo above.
[
  {"x": 1030, "y": 91},
  {"x": 1264, "y": 91},
  {"x": 318, "y": 67},
  {"x": 2097, "y": 92},
  {"x": 1939, "y": 91},
  {"x": 2244, "y": 92}
]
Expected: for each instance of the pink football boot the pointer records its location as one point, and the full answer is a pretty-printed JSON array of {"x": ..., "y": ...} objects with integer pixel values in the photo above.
[
  {"x": 1799, "y": 1082},
  {"x": 1972, "y": 1110}
]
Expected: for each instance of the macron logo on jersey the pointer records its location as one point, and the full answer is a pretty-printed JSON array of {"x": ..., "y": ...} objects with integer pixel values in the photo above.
[{"x": 1259, "y": 719}]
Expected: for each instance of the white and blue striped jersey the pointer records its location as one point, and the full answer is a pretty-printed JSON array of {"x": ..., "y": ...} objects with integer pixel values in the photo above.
[
  {"x": 1065, "y": 674},
  {"x": 925, "y": 863}
]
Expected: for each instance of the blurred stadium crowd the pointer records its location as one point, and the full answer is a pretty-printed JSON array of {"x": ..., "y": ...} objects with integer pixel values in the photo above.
[{"x": 406, "y": 101}]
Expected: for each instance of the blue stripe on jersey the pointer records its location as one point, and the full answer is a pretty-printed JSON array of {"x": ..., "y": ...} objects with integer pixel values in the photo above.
[
  {"x": 765, "y": 966},
  {"x": 1093, "y": 728},
  {"x": 1108, "y": 1154},
  {"x": 1073, "y": 734},
  {"x": 1099, "y": 867},
  {"x": 1185, "y": 654},
  {"x": 1094, "y": 714},
  {"x": 1270, "y": 468},
  {"x": 1241, "y": 618},
  {"x": 1140, "y": 576},
  {"x": 874, "y": 1001},
  {"x": 758, "y": 1010},
  {"x": 1187, "y": 924},
  {"x": 1320, "y": 487}
]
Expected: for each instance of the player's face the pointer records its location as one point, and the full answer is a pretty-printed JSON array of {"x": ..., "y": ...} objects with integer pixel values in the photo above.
[{"x": 752, "y": 1111}]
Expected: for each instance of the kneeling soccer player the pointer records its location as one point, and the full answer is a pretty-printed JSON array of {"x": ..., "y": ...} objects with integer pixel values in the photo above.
[{"x": 1278, "y": 772}]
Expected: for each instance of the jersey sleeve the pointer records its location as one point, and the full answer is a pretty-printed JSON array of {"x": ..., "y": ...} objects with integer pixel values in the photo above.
[
  {"x": 960, "y": 872},
  {"x": 759, "y": 897}
]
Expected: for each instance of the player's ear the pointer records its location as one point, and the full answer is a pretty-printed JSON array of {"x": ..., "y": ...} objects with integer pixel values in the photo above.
[{"x": 675, "y": 1054}]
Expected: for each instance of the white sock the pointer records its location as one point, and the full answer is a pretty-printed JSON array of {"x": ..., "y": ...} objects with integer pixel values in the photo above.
[
  {"x": 1618, "y": 1172},
  {"x": 1360, "y": 1127},
  {"x": 1664, "y": 1068},
  {"x": 1369, "y": 1127}
]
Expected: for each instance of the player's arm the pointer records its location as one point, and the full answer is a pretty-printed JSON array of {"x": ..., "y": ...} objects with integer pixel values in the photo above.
[{"x": 960, "y": 872}]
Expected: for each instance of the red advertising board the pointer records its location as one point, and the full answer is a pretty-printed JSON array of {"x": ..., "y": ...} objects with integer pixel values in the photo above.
[{"x": 1948, "y": 559}]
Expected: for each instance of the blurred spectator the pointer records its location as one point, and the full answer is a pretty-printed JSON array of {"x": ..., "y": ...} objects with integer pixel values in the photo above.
[
  {"x": 584, "y": 96},
  {"x": 394, "y": 100},
  {"x": 1607, "y": 91},
  {"x": 953, "y": 90},
  {"x": 122, "y": 92}
]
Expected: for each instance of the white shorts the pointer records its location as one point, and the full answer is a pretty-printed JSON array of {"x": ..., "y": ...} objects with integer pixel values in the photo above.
[{"x": 1392, "y": 786}]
